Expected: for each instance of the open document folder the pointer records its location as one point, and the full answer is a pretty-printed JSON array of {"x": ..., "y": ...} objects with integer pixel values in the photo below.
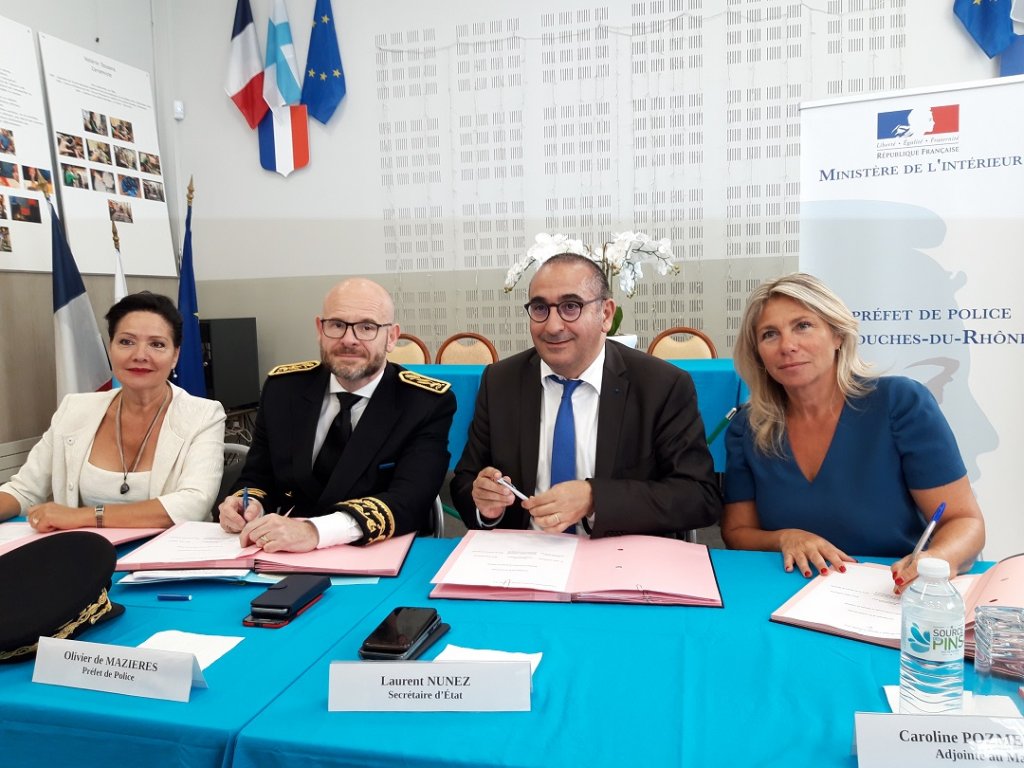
[
  {"x": 207, "y": 545},
  {"x": 529, "y": 565},
  {"x": 860, "y": 604},
  {"x": 14, "y": 535}
]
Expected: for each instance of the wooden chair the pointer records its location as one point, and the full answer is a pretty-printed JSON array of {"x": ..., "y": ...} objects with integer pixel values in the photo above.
[
  {"x": 694, "y": 344},
  {"x": 466, "y": 349},
  {"x": 409, "y": 349}
]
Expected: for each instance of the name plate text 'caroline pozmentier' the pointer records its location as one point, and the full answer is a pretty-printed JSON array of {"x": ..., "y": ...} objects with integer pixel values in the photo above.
[
  {"x": 145, "y": 672},
  {"x": 927, "y": 741},
  {"x": 429, "y": 686}
]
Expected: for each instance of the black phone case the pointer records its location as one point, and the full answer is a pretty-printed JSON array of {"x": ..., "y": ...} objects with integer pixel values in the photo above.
[
  {"x": 290, "y": 595},
  {"x": 391, "y": 650}
]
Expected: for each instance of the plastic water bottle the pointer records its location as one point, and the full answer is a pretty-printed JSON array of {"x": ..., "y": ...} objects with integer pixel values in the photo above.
[{"x": 932, "y": 643}]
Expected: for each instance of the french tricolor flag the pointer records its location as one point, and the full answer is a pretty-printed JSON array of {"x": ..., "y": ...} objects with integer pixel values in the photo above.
[
  {"x": 82, "y": 363},
  {"x": 284, "y": 130},
  {"x": 284, "y": 139},
  {"x": 245, "y": 71}
]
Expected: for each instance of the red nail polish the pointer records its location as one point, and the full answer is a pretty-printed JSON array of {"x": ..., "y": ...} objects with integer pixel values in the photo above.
[
  {"x": 824, "y": 571},
  {"x": 899, "y": 582},
  {"x": 807, "y": 573},
  {"x": 842, "y": 569}
]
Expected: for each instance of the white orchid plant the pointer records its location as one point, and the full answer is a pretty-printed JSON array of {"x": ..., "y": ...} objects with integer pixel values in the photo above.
[{"x": 623, "y": 257}]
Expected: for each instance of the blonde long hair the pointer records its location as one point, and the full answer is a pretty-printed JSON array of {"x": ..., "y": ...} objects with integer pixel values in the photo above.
[{"x": 768, "y": 399}]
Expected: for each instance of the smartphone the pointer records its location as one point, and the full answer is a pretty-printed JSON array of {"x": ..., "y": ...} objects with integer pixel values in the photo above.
[
  {"x": 403, "y": 634},
  {"x": 283, "y": 601}
]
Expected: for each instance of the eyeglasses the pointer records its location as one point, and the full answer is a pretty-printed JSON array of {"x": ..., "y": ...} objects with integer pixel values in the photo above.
[
  {"x": 567, "y": 310},
  {"x": 363, "y": 330}
]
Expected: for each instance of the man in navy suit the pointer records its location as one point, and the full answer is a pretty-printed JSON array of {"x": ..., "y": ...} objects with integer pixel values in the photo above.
[
  {"x": 351, "y": 449},
  {"x": 641, "y": 461}
]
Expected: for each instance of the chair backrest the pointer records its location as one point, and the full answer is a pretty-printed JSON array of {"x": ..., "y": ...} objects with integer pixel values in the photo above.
[
  {"x": 234, "y": 460},
  {"x": 467, "y": 349},
  {"x": 692, "y": 344},
  {"x": 409, "y": 349}
]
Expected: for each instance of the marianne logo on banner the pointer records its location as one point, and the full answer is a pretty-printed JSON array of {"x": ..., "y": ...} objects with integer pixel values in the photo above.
[{"x": 924, "y": 130}]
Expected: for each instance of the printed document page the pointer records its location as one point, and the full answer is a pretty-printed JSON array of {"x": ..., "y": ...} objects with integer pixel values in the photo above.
[
  {"x": 189, "y": 542},
  {"x": 860, "y": 601},
  {"x": 515, "y": 561}
]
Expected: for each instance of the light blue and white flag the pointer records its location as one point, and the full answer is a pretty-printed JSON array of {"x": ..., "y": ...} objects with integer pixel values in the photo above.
[{"x": 281, "y": 73}]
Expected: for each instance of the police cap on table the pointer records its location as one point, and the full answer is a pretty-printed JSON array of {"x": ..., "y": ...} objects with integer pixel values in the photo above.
[{"x": 54, "y": 587}]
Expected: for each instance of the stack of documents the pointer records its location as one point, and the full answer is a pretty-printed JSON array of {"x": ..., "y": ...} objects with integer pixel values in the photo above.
[
  {"x": 527, "y": 565},
  {"x": 206, "y": 545}
]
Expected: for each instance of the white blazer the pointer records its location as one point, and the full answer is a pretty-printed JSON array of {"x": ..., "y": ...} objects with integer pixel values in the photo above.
[{"x": 187, "y": 466}]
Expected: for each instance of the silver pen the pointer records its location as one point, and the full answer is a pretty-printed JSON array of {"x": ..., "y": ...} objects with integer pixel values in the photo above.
[{"x": 516, "y": 491}]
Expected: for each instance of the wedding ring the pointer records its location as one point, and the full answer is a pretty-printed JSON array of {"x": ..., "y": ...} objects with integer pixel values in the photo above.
[
  {"x": 264, "y": 539},
  {"x": 558, "y": 520}
]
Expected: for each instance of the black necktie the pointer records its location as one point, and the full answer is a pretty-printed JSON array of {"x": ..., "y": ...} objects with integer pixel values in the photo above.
[{"x": 337, "y": 436}]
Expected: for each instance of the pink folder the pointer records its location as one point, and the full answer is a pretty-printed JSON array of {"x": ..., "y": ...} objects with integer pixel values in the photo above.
[
  {"x": 618, "y": 569},
  {"x": 114, "y": 535},
  {"x": 384, "y": 558}
]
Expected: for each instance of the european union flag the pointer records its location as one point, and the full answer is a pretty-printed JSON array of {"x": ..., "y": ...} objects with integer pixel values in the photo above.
[
  {"x": 191, "y": 376},
  {"x": 988, "y": 22},
  {"x": 323, "y": 86}
]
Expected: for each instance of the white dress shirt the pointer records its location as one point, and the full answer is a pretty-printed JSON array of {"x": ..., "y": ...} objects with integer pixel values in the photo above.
[
  {"x": 586, "y": 401},
  {"x": 339, "y": 527}
]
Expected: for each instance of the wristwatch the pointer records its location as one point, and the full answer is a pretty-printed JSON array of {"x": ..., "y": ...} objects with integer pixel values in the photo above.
[{"x": 99, "y": 515}]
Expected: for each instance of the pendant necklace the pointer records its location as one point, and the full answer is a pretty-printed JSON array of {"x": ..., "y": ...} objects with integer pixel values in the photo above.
[{"x": 120, "y": 446}]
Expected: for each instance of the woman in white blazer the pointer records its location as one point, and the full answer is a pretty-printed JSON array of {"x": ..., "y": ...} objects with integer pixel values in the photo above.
[{"x": 146, "y": 455}]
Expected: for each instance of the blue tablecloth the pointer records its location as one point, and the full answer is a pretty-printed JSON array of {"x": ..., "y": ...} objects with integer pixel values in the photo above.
[
  {"x": 43, "y": 725},
  {"x": 618, "y": 685},
  {"x": 719, "y": 388}
]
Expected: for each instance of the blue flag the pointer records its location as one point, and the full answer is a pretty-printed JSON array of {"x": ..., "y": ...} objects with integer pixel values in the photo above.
[
  {"x": 191, "y": 377},
  {"x": 323, "y": 85},
  {"x": 1012, "y": 60},
  {"x": 988, "y": 22}
]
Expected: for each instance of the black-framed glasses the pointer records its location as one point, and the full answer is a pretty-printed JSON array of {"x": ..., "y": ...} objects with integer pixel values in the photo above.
[
  {"x": 569, "y": 310},
  {"x": 364, "y": 330}
]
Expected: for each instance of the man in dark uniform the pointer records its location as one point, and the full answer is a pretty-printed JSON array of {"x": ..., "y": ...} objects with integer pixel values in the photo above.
[{"x": 352, "y": 449}]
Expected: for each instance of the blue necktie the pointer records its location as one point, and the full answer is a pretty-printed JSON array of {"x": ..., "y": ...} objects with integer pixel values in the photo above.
[{"x": 563, "y": 442}]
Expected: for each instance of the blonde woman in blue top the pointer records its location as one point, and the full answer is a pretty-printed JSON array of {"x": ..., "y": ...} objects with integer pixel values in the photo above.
[{"x": 829, "y": 461}]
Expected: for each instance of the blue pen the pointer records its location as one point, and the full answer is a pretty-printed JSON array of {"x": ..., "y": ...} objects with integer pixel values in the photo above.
[
  {"x": 245, "y": 499},
  {"x": 929, "y": 529},
  {"x": 174, "y": 597}
]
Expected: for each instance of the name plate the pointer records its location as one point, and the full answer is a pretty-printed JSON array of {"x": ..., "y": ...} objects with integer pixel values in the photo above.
[
  {"x": 145, "y": 672},
  {"x": 912, "y": 741},
  {"x": 429, "y": 686}
]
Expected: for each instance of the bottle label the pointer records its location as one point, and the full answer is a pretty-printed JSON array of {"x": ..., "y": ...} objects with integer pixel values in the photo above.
[{"x": 935, "y": 642}]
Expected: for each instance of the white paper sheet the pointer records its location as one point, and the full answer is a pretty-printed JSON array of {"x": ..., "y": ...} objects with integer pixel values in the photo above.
[
  {"x": 988, "y": 706},
  {"x": 515, "y": 560},
  {"x": 206, "y": 648},
  {"x": 458, "y": 653},
  {"x": 213, "y": 574},
  {"x": 860, "y": 601},
  {"x": 189, "y": 542},
  {"x": 14, "y": 531}
]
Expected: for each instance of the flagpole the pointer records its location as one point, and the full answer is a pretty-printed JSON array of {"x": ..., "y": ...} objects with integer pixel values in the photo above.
[{"x": 190, "y": 374}]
